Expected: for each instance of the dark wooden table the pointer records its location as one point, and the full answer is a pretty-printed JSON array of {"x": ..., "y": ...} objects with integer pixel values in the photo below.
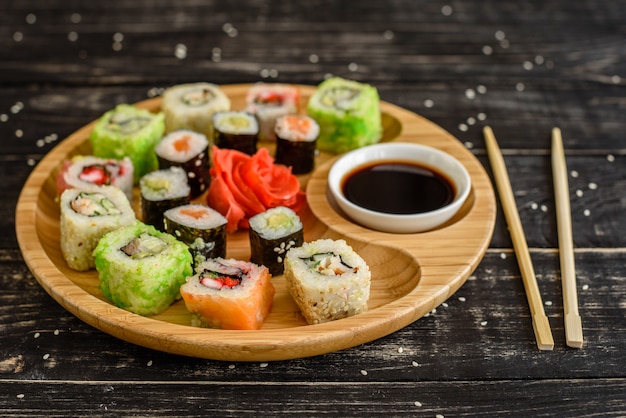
[{"x": 521, "y": 67}]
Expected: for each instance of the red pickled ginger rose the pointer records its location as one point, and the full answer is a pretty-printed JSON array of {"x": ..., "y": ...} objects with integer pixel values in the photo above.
[{"x": 243, "y": 186}]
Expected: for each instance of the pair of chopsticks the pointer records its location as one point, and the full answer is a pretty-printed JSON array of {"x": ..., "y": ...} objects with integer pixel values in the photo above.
[{"x": 541, "y": 326}]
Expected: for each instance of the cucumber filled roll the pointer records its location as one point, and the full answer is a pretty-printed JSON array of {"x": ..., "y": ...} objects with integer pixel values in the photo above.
[
  {"x": 191, "y": 106},
  {"x": 348, "y": 114},
  {"x": 200, "y": 227},
  {"x": 85, "y": 217},
  {"x": 162, "y": 190},
  {"x": 229, "y": 294},
  {"x": 190, "y": 151},
  {"x": 268, "y": 102},
  {"x": 272, "y": 233},
  {"x": 236, "y": 130},
  {"x": 296, "y": 142},
  {"x": 141, "y": 269},
  {"x": 328, "y": 280},
  {"x": 85, "y": 172},
  {"x": 128, "y": 131}
]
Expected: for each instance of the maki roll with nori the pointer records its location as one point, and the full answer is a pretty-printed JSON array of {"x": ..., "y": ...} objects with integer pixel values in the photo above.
[
  {"x": 128, "y": 131},
  {"x": 87, "y": 171},
  {"x": 268, "y": 102},
  {"x": 190, "y": 151},
  {"x": 272, "y": 233},
  {"x": 162, "y": 190},
  {"x": 328, "y": 280},
  {"x": 236, "y": 130},
  {"x": 229, "y": 294},
  {"x": 202, "y": 228},
  {"x": 191, "y": 106},
  {"x": 296, "y": 142},
  {"x": 141, "y": 269},
  {"x": 86, "y": 215},
  {"x": 348, "y": 114}
]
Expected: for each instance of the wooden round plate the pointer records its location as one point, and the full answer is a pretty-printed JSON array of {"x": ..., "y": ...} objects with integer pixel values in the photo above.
[{"x": 411, "y": 273}]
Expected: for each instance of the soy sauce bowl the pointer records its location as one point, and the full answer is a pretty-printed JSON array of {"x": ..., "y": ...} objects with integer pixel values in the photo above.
[{"x": 414, "y": 158}]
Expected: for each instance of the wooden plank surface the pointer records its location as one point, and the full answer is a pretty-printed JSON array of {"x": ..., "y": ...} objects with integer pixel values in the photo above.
[{"x": 522, "y": 68}]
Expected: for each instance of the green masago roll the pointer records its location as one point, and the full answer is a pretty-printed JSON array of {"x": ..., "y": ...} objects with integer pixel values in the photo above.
[
  {"x": 348, "y": 114},
  {"x": 141, "y": 269},
  {"x": 128, "y": 131}
]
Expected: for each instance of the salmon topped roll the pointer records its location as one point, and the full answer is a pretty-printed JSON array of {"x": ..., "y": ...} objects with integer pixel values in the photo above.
[{"x": 229, "y": 294}]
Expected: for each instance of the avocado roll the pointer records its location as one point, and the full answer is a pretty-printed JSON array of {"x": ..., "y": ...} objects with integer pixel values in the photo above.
[
  {"x": 128, "y": 131},
  {"x": 296, "y": 142},
  {"x": 272, "y": 233},
  {"x": 236, "y": 130},
  {"x": 85, "y": 217},
  {"x": 229, "y": 294},
  {"x": 162, "y": 190},
  {"x": 190, "y": 151},
  {"x": 348, "y": 114},
  {"x": 141, "y": 269},
  {"x": 191, "y": 106},
  {"x": 202, "y": 228},
  {"x": 268, "y": 102},
  {"x": 328, "y": 280},
  {"x": 88, "y": 171}
]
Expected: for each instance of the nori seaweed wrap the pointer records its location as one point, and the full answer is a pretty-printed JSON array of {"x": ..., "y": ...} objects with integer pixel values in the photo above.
[{"x": 162, "y": 190}]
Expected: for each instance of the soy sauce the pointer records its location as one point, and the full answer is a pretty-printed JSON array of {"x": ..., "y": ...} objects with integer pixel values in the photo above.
[{"x": 398, "y": 187}]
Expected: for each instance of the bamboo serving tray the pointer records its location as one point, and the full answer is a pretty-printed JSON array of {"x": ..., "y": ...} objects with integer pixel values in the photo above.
[{"x": 411, "y": 273}]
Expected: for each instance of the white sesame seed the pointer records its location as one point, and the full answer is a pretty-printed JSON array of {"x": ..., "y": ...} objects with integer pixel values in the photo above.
[
  {"x": 539, "y": 60},
  {"x": 75, "y": 18},
  {"x": 388, "y": 34},
  {"x": 231, "y": 366},
  {"x": 471, "y": 121},
  {"x": 31, "y": 18},
  {"x": 434, "y": 311},
  {"x": 20, "y": 396},
  {"x": 527, "y": 65},
  {"x": 72, "y": 36},
  {"x": 503, "y": 256},
  {"x": 593, "y": 186},
  {"x": 18, "y": 36},
  {"x": 499, "y": 35},
  {"x": 180, "y": 51},
  {"x": 470, "y": 94},
  {"x": 31, "y": 162},
  {"x": 4, "y": 117},
  {"x": 446, "y": 10},
  {"x": 19, "y": 133},
  {"x": 574, "y": 173},
  {"x": 483, "y": 323},
  {"x": 46, "y": 356},
  {"x": 586, "y": 212},
  {"x": 118, "y": 37},
  {"x": 233, "y": 33},
  {"x": 314, "y": 58},
  {"x": 548, "y": 303},
  {"x": 36, "y": 335},
  {"x": 56, "y": 332},
  {"x": 263, "y": 365},
  {"x": 149, "y": 363},
  {"x": 544, "y": 208},
  {"x": 417, "y": 403},
  {"x": 616, "y": 79},
  {"x": 610, "y": 158},
  {"x": 265, "y": 73},
  {"x": 400, "y": 350},
  {"x": 481, "y": 116},
  {"x": 428, "y": 103},
  {"x": 579, "y": 193},
  {"x": 439, "y": 416},
  {"x": 505, "y": 43},
  {"x": 520, "y": 86},
  {"x": 463, "y": 127},
  {"x": 585, "y": 287},
  {"x": 481, "y": 89},
  {"x": 462, "y": 299},
  {"x": 353, "y": 66},
  {"x": 534, "y": 206},
  {"x": 414, "y": 363},
  {"x": 117, "y": 46},
  {"x": 487, "y": 50},
  {"x": 273, "y": 73},
  {"x": 364, "y": 372},
  {"x": 469, "y": 144}
]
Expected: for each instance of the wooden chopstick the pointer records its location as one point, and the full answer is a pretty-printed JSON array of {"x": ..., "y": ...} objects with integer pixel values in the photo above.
[
  {"x": 573, "y": 324},
  {"x": 541, "y": 325}
]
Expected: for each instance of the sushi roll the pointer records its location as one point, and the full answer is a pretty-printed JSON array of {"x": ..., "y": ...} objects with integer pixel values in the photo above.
[
  {"x": 296, "y": 142},
  {"x": 141, "y": 269},
  {"x": 272, "y": 233},
  {"x": 268, "y": 102},
  {"x": 85, "y": 217},
  {"x": 348, "y": 114},
  {"x": 202, "y": 228},
  {"x": 190, "y": 151},
  {"x": 128, "y": 131},
  {"x": 191, "y": 106},
  {"x": 85, "y": 172},
  {"x": 236, "y": 130},
  {"x": 162, "y": 190},
  {"x": 327, "y": 280},
  {"x": 229, "y": 294}
]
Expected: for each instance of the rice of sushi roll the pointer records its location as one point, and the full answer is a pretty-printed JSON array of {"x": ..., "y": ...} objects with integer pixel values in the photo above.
[
  {"x": 202, "y": 228},
  {"x": 296, "y": 142},
  {"x": 268, "y": 102},
  {"x": 328, "y": 280},
  {"x": 190, "y": 151},
  {"x": 236, "y": 130},
  {"x": 141, "y": 269},
  {"x": 84, "y": 172},
  {"x": 85, "y": 217},
  {"x": 191, "y": 106},
  {"x": 348, "y": 114},
  {"x": 162, "y": 190},
  {"x": 229, "y": 294},
  {"x": 128, "y": 131},
  {"x": 272, "y": 233}
]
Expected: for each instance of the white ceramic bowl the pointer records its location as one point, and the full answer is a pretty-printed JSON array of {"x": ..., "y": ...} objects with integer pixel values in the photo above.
[{"x": 426, "y": 156}]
